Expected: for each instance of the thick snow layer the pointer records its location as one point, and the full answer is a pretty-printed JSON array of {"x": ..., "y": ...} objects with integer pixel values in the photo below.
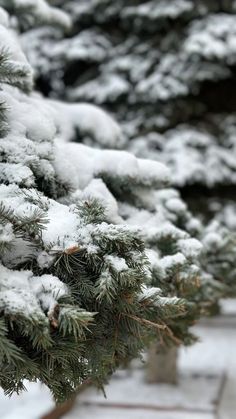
[
  {"x": 48, "y": 289},
  {"x": 61, "y": 221},
  {"x": 16, "y": 296},
  {"x": 30, "y": 145},
  {"x": 41, "y": 120},
  {"x": 87, "y": 119},
  {"x": 78, "y": 165},
  {"x": 16, "y": 173}
]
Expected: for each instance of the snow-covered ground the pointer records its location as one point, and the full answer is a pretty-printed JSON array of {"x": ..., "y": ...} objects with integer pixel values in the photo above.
[
  {"x": 206, "y": 390},
  {"x": 32, "y": 404}
]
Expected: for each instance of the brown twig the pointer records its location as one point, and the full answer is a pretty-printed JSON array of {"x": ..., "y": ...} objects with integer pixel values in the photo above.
[
  {"x": 145, "y": 321},
  {"x": 155, "y": 325}
]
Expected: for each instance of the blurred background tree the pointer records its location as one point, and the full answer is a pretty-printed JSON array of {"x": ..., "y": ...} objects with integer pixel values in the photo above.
[{"x": 167, "y": 72}]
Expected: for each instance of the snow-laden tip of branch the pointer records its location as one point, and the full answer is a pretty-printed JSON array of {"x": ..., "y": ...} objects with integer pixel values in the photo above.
[
  {"x": 24, "y": 294},
  {"x": 77, "y": 165},
  {"x": 41, "y": 12},
  {"x": 97, "y": 189},
  {"x": 84, "y": 118}
]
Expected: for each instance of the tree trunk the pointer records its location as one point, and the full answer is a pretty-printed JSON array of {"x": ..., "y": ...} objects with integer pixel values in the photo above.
[
  {"x": 60, "y": 410},
  {"x": 162, "y": 364}
]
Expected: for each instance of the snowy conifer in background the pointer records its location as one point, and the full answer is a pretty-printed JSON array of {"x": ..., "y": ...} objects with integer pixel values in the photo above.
[
  {"x": 166, "y": 70},
  {"x": 82, "y": 289}
]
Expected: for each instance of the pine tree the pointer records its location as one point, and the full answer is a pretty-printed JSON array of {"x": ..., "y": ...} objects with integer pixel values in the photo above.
[{"x": 81, "y": 289}]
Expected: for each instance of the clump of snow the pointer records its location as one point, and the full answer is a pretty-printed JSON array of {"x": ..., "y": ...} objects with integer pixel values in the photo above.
[
  {"x": 117, "y": 263},
  {"x": 16, "y": 173},
  {"x": 61, "y": 222},
  {"x": 191, "y": 248},
  {"x": 16, "y": 296},
  {"x": 173, "y": 261},
  {"x": 48, "y": 289},
  {"x": 166, "y": 229},
  {"x": 176, "y": 205},
  {"x": 45, "y": 260},
  {"x": 149, "y": 293},
  {"x": 23, "y": 294}
]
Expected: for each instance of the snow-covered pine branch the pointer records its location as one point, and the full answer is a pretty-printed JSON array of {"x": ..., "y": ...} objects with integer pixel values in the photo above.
[{"x": 73, "y": 265}]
